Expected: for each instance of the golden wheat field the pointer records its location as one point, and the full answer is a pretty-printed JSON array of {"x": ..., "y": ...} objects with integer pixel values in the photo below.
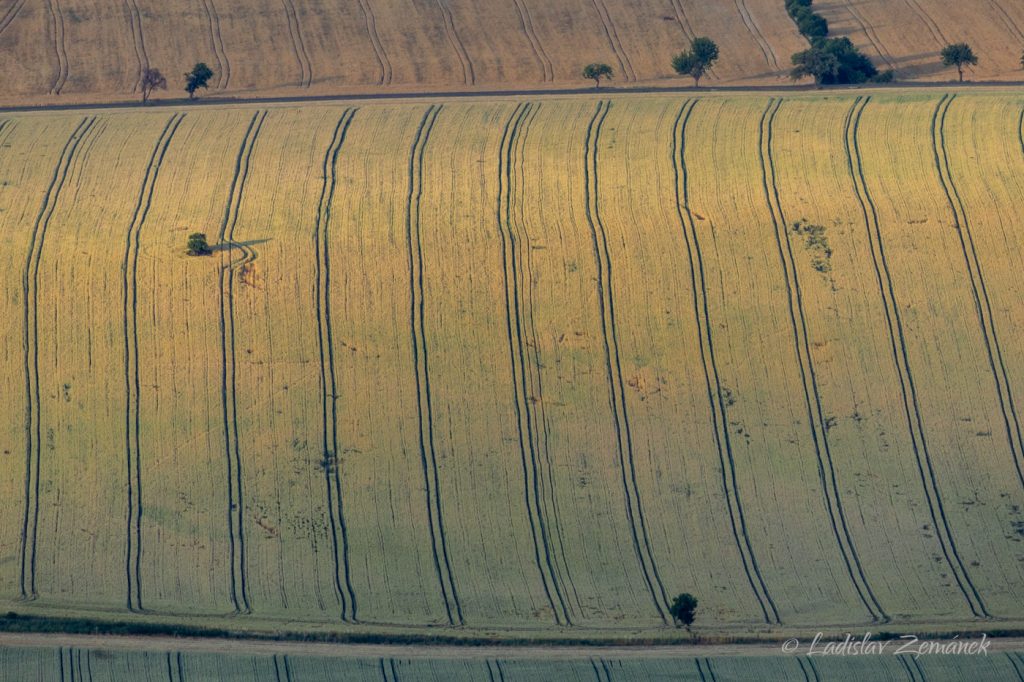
[
  {"x": 531, "y": 366},
  {"x": 82, "y": 50}
]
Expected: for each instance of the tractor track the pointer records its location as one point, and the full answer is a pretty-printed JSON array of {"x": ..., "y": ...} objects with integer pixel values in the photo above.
[
  {"x": 30, "y": 345},
  {"x": 705, "y": 671},
  {"x": 175, "y": 667},
  {"x": 613, "y": 40},
  {"x": 328, "y": 381},
  {"x": 468, "y": 74},
  {"x": 901, "y": 359},
  {"x": 59, "y": 45},
  {"x": 1005, "y": 17},
  {"x": 719, "y": 418},
  {"x": 424, "y": 403},
  {"x": 769, "y": 54},
  {"x": 298, "y": 44},
  {"x": 808, "y": 377},
  {"x": 129, "y": 274},
  {"x": 613, "y": 365},
  {"x": 526, "y": 20},
  {"x": 138, "y": 40},
  {"x": 979, "y": 290},
  {"x": 929, "y": 23},
  {"x": 386, "y": 72},
  {"x": 513, "y": 252},
  {"x": 229, "y": 400},
  {"x": 869, "y": 32},
  {"x": 11, "y": 14},
  {"x": 217, "y": 42},
  {"x": 282, "y": 668}
]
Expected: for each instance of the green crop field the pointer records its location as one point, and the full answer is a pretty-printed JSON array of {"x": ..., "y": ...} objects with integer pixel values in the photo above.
[
  {"x": 517, "y": 367},
  {"x": 97, "y": 665}
]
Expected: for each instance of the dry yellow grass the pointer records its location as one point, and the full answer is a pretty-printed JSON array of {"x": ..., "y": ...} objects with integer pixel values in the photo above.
[
  {"x": 85, "y": 50},
  {"x": 528, "y": 367}
]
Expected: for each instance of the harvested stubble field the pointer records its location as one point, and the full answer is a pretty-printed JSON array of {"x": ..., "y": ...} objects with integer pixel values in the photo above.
[
  {"x": 83, "y": 50},
  {"x": 97, "y": 665},
  {"x": 528, "y": 367}
]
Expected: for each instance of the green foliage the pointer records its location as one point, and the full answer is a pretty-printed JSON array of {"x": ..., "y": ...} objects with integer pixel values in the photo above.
[
  {"x": 834, "y": 61},
  {"x": 695, "y": 63},
  {"x": 197, "y": 78},
  {"x": 812, "y": 25},
  {"x": 794, "y": 6},
  {"x": 197, "y": 245},
  {"x": 684, "y": 609},
  {"x": 596, "y": 72},
  {"x": 959, "y": 55}
]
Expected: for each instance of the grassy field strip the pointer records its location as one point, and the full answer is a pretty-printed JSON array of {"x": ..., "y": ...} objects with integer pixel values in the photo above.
[
  {"x": 34, "y": 406},
  {"x": 982, "y": 303},
  {"x": 757, "y": 360},
  {"x": 716, "y": 397},
  {"x": 87, "y": 665},
  {"x": 818, "y": 423},
  {"x": 37, "y": 144},
  {"x": 186, "y": 562},
  {"x": 960, "y": 416},
  {"x": 613, "y": 365},
  {"x": 133, "y": 435}
]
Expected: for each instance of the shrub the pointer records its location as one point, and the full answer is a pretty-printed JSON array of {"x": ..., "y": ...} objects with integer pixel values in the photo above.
[{"x": 197, "y": 245}]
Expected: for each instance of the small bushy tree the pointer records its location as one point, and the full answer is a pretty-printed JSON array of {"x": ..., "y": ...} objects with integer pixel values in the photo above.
[
  {"x": 817, "y": 63},
  {"x": 959, "y": 55},
  {"x": 152, "y": 80},
  {"x": 197, "y": 245},
  {"x": 596, "y": 72},
  {"x": 684, "y": 609},
  {"x": 698, "y": 60},
  {"x": 197, "y": 78}
]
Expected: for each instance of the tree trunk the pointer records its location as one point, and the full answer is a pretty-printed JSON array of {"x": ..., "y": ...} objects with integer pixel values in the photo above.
[{"x": 960, "y": 70}]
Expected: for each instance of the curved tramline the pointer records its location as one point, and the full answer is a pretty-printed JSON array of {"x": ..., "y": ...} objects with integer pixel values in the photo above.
[
  {"x": 133, "y": 436},
  {"x": 328, "y": 380},
  {"x": 812, "y": 398}
]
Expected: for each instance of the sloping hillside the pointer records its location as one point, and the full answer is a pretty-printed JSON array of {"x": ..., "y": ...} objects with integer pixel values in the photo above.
[{"x": 64, "y": 50}]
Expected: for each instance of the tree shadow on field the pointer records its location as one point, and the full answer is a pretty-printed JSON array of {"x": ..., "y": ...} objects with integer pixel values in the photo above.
[{"x": 227, "y": 246}]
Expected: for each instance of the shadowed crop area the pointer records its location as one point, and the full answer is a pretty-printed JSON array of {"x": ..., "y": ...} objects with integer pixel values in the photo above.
[{"x": 516, "y": 366}]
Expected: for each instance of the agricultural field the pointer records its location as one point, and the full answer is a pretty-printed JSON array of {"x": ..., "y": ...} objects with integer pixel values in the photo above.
[
  {"x": 97, "y": 665},
  {"x": 533, "y": 367},
  {"x": 84, "y": 50}
]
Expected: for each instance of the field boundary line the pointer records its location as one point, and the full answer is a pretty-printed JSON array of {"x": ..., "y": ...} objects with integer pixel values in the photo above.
[
  {"x": 298, "y": 44},
  {"x": 10, "y": 14},
  {"x": 901, "y": 357},
  {"x": 236, "y": 503},
  {"x": 217, "y": 41},
  {"x": 129, "y": 274},
  {"x": 138, "y": 40},
  {"x": 526, "y": 20},
  {"x": 769, "y": 54},
  {"x": 468, "y": 74},
  {"x": 59, "y": 45},
  {"x": 702, "y": 316},
  {"x": 511, "y": 255},
  {"x": 979, "y": 290},
  {"x": 328, "y": 381},
  {"x": 613, "y": 365},
  {"x": 424, "y": 403},
  {"x": 378, "y": 47},
  {"x": 816, "y": 419},
  {"x": 613, "y": 40},
  {"x": 30, "y": 345}
]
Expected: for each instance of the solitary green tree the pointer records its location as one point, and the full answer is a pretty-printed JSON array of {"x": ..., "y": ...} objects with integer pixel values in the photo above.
[
  {"x": 152, "y": 79},
  {"x": 684, "y": 609},
  {"x": 596, "y": 72},
  {"x": 815, "y": 62},
  {"x": 197, "y": 78},
  {"x": 959, "y": 55},
  {"x": 697, "y": 61},
  {"x": 197, "y": 245}
]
